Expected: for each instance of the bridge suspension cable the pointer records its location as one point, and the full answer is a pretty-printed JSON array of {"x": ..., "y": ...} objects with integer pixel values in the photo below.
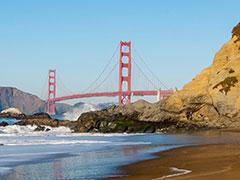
[
  {"x": 145, "y": 76},
  {"x": 62, "y": 86},
  {"x": 43, "y": 94},
  {"x": 102, "y": 72},
  {"x": 107, "y": 76},
  {"x": 148, "y": 68}
]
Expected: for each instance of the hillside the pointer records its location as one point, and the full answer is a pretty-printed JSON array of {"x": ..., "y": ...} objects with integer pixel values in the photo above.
[
  {"x": 25, "y": 102},
  {"x": 31, "y": 104}
]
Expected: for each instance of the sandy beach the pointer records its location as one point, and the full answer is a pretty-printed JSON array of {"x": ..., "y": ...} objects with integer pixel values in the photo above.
[{"x": 220, "y": 161}]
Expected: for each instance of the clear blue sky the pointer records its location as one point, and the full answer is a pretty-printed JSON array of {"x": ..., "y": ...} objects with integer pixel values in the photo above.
[{"x": 177, "y": 37}]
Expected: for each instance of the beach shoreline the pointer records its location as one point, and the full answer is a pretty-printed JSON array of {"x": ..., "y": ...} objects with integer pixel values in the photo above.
[{"x": 211, "y": 161}]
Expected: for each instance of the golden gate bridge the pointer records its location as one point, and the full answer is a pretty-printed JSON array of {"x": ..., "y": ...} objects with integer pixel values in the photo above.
[{"x": 124, "y": 92}]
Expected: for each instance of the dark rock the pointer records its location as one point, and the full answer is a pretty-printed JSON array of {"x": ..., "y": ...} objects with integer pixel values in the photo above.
[
  {"x": 39, "y": 128},
  {"x": 46, "y": 122},
  {"x": 43, "y": 119},
  {"x": 39, "y": 116},
  {"x": 117, "y": 122},
  {"x": 4, "y": 124}
]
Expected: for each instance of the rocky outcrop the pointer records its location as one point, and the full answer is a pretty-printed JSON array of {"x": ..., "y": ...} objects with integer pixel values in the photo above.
[
  {"x": 113, "y": 120},
  {"x": 43, "y": 119},
  {"x": 236, "y": 32},
  {"x": 110, "y": 120},
  {"x": 128, "y": 119},
  {"x": 38, "y": 116},
  {"x": 212, "y": 97},
  {"x": 3, "y": 124}
]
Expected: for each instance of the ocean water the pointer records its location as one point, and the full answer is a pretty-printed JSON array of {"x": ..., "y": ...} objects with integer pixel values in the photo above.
[
  {"x": 8, "y": 120},
  {"x": 60, "y": 154}
]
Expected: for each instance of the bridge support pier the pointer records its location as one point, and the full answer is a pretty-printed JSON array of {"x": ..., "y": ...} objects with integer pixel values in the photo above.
[
  {"x": 125, "y": 73},
  {"x": 52, "y": 87}
]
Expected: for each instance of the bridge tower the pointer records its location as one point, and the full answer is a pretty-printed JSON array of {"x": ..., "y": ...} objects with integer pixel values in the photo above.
[
  {"x": 125, "y": 67},
  {"x": 52, "y": 86}
]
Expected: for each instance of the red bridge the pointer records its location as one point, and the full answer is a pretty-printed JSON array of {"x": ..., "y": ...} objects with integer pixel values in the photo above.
[{"x": 124, "y": 92}]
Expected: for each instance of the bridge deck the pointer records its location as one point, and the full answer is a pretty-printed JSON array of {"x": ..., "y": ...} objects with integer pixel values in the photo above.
[{"x": 113, "y": 94}]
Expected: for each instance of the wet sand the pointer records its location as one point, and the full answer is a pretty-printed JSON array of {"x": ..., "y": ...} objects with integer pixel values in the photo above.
[{"x": 210, "y": 162}]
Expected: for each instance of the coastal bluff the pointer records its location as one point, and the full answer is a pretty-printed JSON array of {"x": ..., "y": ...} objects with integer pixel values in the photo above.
[{"x": 212, "y": 97}]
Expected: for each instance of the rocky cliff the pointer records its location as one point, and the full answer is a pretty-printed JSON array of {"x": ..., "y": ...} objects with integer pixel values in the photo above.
[{"x": 212, "y": 97}]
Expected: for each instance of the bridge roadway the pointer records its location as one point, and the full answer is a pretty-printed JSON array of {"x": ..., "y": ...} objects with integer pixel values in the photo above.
[{"x": 162, "y": 93}]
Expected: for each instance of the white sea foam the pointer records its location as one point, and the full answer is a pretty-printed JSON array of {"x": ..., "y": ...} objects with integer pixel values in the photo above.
[
  {"x": 54, "y": 142},
  {"x": 26, "y": 130},
  {"x": 77, "y": 111},
  {"x": 101, "y": 134},
  {"x": 131, "y": 143},
  {"x": 29, "y": 141},
  {"x": 15, "y": 135},
  {"x": 13, "y": 129}
]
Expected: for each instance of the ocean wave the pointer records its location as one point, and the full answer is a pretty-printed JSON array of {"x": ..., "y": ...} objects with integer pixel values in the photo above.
[
  {"x": 54, "y": 142},
  {"x": 102, "y": 135},
  {"x": 26, "y": 142},
  {"x": 26, "y": 130},
  {"x": 74, "y": 114},
  {"x": 13, "y": 155}
]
